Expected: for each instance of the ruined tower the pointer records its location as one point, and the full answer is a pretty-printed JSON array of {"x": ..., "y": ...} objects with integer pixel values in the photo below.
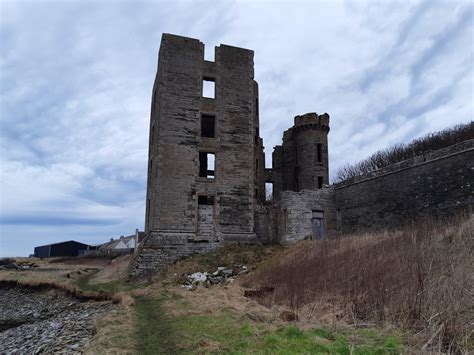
[
  {"x": 206, "y": 162},
  {"x": 206, "y": 167},
  {"x": 301, "y": 162}
]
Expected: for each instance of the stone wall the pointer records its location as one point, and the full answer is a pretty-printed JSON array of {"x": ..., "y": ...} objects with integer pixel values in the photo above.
[
  {"x": 437, "y": 183},
  {"x": 294, "y": 213},
  {"x": 159, "y": 250}
]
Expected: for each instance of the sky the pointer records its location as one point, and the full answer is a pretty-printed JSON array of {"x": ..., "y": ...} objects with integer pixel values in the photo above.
[{"x": 76, "y": 79}]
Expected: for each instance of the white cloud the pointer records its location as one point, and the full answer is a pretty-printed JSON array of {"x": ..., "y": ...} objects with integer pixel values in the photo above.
[{"x": 76, "y": 82}]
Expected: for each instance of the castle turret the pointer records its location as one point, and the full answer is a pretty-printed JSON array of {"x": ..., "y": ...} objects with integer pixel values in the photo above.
[{"x": 302, "y": 159}]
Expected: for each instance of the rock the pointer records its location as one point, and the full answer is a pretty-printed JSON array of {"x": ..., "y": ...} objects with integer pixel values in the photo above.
[
  {"x": 214, "y": 280},
  {"x": 227, "y": 272},
  {"x": 46, "y": 321},
  {"x": 198, "y": 277}
]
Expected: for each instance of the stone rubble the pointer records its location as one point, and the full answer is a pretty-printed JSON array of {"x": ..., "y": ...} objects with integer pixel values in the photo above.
[
  {"x": 221, "y": 275},
  {"x": 33, "y": 322}
]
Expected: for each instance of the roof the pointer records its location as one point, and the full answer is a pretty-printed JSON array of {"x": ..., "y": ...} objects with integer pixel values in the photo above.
[
  {"x": 112, "y": 244},
  {"x": 67, "y": 241}
]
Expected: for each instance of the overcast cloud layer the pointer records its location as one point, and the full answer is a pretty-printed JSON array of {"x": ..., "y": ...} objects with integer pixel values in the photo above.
[{"x": 76, "y": 80}]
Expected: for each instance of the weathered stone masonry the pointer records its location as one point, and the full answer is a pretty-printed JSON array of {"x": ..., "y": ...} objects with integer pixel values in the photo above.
[
  {"x": 438, "y": 183},
  {"x": 192, "y": 207},
  {"x": 206, "y": 167}
]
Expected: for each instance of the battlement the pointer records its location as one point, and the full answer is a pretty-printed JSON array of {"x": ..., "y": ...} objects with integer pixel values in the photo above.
[
  {"x": 169, "y": 41},
  {"x": 312, "y": 117},
  {"x": 312, "y": 120}
]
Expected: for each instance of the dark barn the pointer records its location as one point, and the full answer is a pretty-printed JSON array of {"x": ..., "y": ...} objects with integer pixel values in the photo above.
[{"x": 69, "y": 248}]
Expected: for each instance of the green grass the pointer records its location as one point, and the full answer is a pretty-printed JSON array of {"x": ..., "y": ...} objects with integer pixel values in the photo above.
[
  {"x": 230, "y": 334},
  {"x": 83, "y": 282}
]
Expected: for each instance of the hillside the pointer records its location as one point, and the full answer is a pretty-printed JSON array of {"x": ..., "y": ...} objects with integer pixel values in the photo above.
[{"x": 407, "y": 290}]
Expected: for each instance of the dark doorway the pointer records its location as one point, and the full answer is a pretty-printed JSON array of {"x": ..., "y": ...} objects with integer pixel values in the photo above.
[{"x": 317, "y": 225}]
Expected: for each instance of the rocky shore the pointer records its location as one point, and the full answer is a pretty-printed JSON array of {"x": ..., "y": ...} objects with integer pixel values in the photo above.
[{"x": 34, "y": 321}]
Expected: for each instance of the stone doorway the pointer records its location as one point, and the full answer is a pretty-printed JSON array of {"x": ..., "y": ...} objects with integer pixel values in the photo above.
[
  {"x": 317, "y": 225},
  {"x": 206, "y": 221}
]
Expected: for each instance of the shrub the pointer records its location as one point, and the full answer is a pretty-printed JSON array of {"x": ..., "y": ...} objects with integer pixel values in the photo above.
[{"x": 400, "y": 152}]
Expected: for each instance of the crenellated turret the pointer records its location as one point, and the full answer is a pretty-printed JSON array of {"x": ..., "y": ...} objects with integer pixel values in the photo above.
[{"x": 301, "y": 162}]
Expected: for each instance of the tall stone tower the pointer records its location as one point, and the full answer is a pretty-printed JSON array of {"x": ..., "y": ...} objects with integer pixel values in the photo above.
[
  {"x": 301, "y": 162},
  {"x": 206, "y": 161}
]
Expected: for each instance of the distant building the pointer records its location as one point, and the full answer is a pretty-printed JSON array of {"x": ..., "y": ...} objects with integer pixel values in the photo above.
[
  {"x": 69, "y": 248},
  {"x": 122, "y": 245}
]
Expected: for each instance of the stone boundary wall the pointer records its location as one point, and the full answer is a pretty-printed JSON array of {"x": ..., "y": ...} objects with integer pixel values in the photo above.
[
  {"x": 436, "y": 183},
  {"x": 158, "y": 250}
]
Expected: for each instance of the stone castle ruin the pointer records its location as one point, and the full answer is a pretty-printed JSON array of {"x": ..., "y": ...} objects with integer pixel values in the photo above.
[{"x": 207, "y": 175}]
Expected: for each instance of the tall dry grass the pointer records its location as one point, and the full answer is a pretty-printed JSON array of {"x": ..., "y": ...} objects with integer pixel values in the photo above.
[{"x": 420, "y": 277}]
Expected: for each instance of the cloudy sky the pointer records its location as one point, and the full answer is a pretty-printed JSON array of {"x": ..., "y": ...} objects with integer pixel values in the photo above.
[{"x": 76, "y": 80}]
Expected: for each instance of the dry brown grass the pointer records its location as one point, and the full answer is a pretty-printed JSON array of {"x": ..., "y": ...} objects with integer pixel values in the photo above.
[
  {"x": 420, "y": 277},
  {"x": 67, "y": 289},
  {"x": 115, "y": 333},
  {"x": 115, "y": 269}
]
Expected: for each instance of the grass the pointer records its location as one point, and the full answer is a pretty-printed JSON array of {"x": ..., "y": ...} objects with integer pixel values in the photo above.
[
  {"x": 227, "y": 332},
  {"x": 89, "y": 279},
  {"x": 418, "y": 278},
  {"x": 115, "y": 286}
]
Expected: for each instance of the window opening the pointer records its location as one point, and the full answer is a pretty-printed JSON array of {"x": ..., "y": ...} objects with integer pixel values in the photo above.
[
  {"x": 268, "y": 191},
  {"x": 319, "y": 148},
  {"x": 206, "y": 200},
  {"x": 320, "y": 182},
  {"x": 209, "y": 88},
  {"x": 256, "y": 106},
  {"x": 207, "y": 165},
  {"x": 297, "y": 185},
  {"x": 208, "y": 126}
]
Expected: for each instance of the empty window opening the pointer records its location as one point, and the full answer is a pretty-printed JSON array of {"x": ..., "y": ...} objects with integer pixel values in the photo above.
[
  {"x": 320, "y": 182},
  {"x": 208, "y": 126},
  {"x": 319, "y": 148},
  {"x": 268, "y": 191},
  {"x": 256, "y": 106},
  {"x": 209, "y": 88},
  {"x": 206, "y": 200},
  {"x": 206, "y": 165}
]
